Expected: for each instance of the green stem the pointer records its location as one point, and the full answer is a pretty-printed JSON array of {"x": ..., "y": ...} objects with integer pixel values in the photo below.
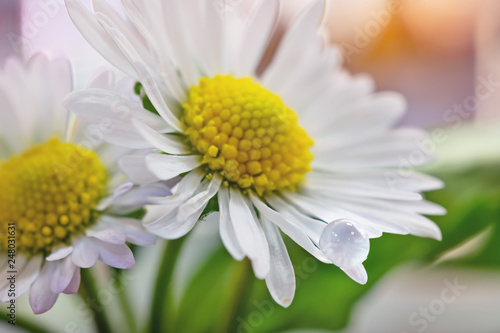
[
  {"x": 89, "y": 293},
  {"x": 240, "y": 287},
  {"x": 162, "y": 311},
  {"x": 125, "y": 303},
  {"x": 25, "y": 325}
]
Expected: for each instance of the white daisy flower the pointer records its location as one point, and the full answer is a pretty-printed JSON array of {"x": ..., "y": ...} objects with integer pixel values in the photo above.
[
  {"x": 62, "y": 197},
  {"x": 298, "y": 146}
]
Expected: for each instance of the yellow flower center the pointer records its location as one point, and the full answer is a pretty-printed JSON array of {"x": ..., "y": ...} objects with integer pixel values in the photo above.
[
  {"x": 247, "y": 134},
  {"x": 50, "y": 193}
]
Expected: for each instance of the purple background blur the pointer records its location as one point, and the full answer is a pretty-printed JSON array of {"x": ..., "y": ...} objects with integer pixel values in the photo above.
[{"x": 9, "y": 24}]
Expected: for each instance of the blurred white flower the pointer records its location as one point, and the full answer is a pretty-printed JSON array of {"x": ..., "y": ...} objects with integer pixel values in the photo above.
[
  {"x": 304, "y": 147},
  {"x": 62, "y": 197}
]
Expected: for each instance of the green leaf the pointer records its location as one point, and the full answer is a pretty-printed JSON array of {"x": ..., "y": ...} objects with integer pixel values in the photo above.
[
  {"x": 138, "y": 88},
  {"x": 146, "y": 103},
  {"x": 138, "y": 214},
  {"x": 206, "y": 298}
]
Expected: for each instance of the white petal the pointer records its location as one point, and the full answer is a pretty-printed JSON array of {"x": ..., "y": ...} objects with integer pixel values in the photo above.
[
  {"x": 138, "y": 197},
  {"x": 102, "y": 79},
  {"x": 96, "y": 104},
  {"x": 406, "y": 221},
  {"x": 132, "y": 228},
  {"x": 156, "y": 98},
  {"x": 140, "y": 237},
  {"x": 135, "y": 168},
  {"x": 20, "y": 263},
  {"x": 312, "y": 227},
  {"x": 9, "y": 123},
  {"x": 345, "y": 92},
  {"x": 298, "y": 38},
  {"x": 415, "y": 182},
  {"x": 357, "y": 273},
  {"x": 27, "y": 274},
  {"x": 122, "y": 190},
  {"x": 159, "y": 44},
  {"x": 183, "y": 218},
  {"x": 85, "y": 253},
  {"x": 258, "y": 35},
  {"x": 184, "y": 190},
  {"x": 96, "y": 36},
  {"x": 167, "y": 144},
  {"x": 281, "y": 278},
  {"x": 42, "y": 299},
  {"x": 108, "y": 235},
  {"x": 60, "y": 254},
  {"x": 180, "y": 33},
  {"x": 145, "y": 77},
  {"x": 118, "y": 256},
  {"x": 397, "y": 141},
  {"x": 227, "y": 232},
  {"x": 411, "y": 207},
  {"x": 169, "y": 166},
  {"x": 356, "y": 189},
  {"x": 379, "y": 113},
  {"x": 249, "y": 233},
  {"x": 105, "y": 12},
  {"x": 318, "y": 68},
  {"x": 63, "y": 275},
  {"x": 74, "y": 284},
  {"x": 323, "y": 209},
  {"x": 294, "y": 232}
]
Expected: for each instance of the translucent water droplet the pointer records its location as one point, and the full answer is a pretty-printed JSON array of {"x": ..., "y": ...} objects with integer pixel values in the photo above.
[{"x": 343, "y": 244}]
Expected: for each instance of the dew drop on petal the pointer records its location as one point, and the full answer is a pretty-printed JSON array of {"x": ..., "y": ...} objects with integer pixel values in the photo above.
[{"x": 343, "y": 244}]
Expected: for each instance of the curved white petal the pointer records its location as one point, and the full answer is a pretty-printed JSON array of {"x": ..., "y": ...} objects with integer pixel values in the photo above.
[
  {"x": 108, "y": 235},
  {"x": 297, "y": 39},
  {"x": 294, "y": 232},
  {"x": 312, "y": 227},
  {"x": 249, "y": 232},
  {"x": 145, "y": 76},
  {"x": 357, "y": 273},
  {"x": 257, "y": 35},
  {"x": 169, "y": 166},
  {"x": 323, "y": 209},
  {"x": 281, "y": 278},
  {"x": 136, "y": 170},
  {"x": 42, "y": 298},
  {"x": 138, "y": 197},
  {"x": 183, "y": 218},
  {"x": 63, "y": 274},
  {"x": 356, "y": 189},
  {"x": 60, "y": 253},
  {"x": 227, "y": 232},
  {"x": 85, "y": 253},
  {"x": 118, "y": 256},
  {"x": 74, "y": 284},
  {"x": 26, "y": 275},
  {"x": 165, "y": 143},
  {"x": 96, "y": 104},
  {"x": 88, "y": 25},
  {"x": 133, "y": 230}
]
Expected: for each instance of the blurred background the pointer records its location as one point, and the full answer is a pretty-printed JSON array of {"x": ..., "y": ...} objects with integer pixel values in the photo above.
[{"x": 444, "y": 56}]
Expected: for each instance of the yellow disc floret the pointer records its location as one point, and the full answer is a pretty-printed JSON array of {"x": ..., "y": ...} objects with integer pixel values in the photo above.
[
  {"x": 247, "y": 134},
  {"x": 50, "y": 194}
]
